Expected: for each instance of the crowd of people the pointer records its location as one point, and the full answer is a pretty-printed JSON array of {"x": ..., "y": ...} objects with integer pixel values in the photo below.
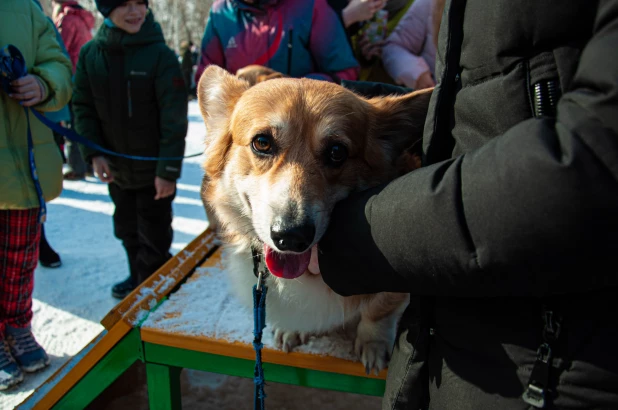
[{"x": 517, "y": 190}]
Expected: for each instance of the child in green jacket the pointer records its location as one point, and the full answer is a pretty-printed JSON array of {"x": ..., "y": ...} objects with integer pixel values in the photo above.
[
  {"x": 130, "y": 98},
  {"x": 46, "y": 87}
]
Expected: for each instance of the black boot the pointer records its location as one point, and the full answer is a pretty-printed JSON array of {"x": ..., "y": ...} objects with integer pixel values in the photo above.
[
  {"x": 121, "y": 289},
  {"x": 47, "y": 256}
]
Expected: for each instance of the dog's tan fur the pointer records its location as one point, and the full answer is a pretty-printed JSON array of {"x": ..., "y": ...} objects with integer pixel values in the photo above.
[{"x": 247, "y": 191}]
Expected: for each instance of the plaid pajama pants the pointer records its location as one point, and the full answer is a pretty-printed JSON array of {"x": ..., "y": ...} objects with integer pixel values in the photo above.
[{"x": 20, "y": 232}]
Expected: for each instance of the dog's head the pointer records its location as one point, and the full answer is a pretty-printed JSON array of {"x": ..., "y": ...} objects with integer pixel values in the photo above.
[{"x": 281, "y": 154}]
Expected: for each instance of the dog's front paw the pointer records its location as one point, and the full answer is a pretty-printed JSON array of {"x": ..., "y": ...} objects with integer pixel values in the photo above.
[
  {"x": 373, "y": 344},
  {"x": 289, "y": 339},
  {"x": 374, "y": 354}
]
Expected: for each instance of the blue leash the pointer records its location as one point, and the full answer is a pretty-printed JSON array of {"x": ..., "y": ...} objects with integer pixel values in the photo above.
[
  {"x": 34, "y": 174},
  {"x": 259, "y": 323},
  {"x": 12, "y": 67},
  {"x": 75, "y": 137},
  {"x": 260, "y": 270}
]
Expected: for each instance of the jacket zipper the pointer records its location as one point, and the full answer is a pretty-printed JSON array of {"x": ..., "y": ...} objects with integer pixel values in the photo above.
[
  {"x": 133, "y": 73},
  {"x": 546, "y": 96},
  {"x": 290, "y": 31},
  {"x": 129, "y": 99}
]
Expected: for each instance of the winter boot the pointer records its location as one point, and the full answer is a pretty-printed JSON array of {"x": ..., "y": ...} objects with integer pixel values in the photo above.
[
  {"x": 73, "y": 176},
  {"x": 47, "y": 256},
  {"x": 10, "y": 373},
  {"x": 27, "y": 352},
  {"x": 121, "y": 289}
]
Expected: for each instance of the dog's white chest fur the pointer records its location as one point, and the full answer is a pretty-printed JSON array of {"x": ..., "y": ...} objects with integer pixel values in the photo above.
[{"x": 304, "y": 305}]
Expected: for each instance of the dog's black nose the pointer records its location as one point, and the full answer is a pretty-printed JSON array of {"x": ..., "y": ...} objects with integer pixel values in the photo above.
[{"x": 292, "y": 238}]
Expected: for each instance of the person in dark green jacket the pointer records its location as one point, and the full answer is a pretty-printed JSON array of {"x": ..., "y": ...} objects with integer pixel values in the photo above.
[
  {"x": 130, "y": 98},
  {"x": 508, "y": 235}
]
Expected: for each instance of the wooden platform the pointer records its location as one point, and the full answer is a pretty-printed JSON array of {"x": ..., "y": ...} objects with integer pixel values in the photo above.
[
  {"x": 159, "y": 324},
  {"x": 162, "y": 328}
]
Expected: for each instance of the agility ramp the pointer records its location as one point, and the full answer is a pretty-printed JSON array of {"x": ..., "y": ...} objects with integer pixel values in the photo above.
[{"x": 184, "y": 317}]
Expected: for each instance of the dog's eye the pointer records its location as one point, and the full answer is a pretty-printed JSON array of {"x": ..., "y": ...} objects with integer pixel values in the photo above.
[
  {"x": 337, "y": 154},
  {"x": 262, "y": 144}
]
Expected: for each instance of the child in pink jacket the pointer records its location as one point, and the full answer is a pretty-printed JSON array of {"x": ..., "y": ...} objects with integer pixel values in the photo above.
[{"x": 409, "y": 54}]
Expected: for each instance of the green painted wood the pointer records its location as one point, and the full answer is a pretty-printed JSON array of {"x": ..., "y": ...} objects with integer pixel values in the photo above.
[
  {"x": 171, "y": 356},
  {"x": 163, "y": 387},
  {"x": 109, "y": 368}
]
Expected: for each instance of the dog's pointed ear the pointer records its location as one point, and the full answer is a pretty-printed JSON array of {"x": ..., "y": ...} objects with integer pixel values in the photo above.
[
  {"x": 400, "y": 121},
  {"x": 217, "y": 92}
]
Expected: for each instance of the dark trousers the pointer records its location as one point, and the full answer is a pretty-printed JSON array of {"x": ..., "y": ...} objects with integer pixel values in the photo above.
[
  {"x": 74, "y": 156},
  {"x": 75, "y": 159},
  {"x": 145, "y": 228}
]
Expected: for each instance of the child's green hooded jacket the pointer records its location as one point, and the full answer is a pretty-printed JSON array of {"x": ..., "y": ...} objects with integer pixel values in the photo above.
[{"x": 24, "y": 25}]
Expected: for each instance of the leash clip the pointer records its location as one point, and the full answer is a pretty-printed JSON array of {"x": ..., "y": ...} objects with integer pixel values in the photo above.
[
  {"x": 260, "y": 281},
  {"x": 260, "y": 270}
]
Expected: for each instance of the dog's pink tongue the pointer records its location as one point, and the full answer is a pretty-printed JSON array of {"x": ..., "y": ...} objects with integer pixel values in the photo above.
[{"x": 285, "y": 265}]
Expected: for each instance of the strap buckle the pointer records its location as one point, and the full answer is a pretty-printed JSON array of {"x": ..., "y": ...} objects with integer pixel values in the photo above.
[
  {"x": 535, "y": 392},
  {"x": 534, "y": 396}
]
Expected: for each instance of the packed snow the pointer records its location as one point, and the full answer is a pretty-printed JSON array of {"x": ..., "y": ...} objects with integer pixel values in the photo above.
[{"x": 216, "y": 313}]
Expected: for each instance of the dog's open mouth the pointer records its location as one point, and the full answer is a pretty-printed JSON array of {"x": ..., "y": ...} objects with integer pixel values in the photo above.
[{"x": 286, "y": 265}]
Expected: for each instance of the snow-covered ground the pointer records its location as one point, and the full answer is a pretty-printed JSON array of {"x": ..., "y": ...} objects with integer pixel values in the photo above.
[{"x": 70, "y": 301}]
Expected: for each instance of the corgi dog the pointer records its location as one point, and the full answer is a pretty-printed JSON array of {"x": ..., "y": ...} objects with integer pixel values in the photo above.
[{"x": 279, "y": 156}]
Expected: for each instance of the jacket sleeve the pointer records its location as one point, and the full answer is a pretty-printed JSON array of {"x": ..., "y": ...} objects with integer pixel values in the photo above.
[
  {"x": 172, "y": 99},
  {"x": 211, "y": 49},
  {"x": 401, "y": 54},
  {"x": 531, "y": 213},
  {"x": 50, "y": 64},
  {"x": 338, "y": 6},
  {"x": 87, "y": 122},
  {"x": 329, "y": 46}
]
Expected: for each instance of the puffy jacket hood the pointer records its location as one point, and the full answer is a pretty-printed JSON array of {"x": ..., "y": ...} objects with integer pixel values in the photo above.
[
  {"x": 72, "y": 8},
  {"x": 259, "y": 6},
  {"x": 112, "y": 37}
]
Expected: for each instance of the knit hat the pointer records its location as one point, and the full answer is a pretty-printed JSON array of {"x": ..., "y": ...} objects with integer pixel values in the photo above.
[{"x": 106, "y": 6}]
